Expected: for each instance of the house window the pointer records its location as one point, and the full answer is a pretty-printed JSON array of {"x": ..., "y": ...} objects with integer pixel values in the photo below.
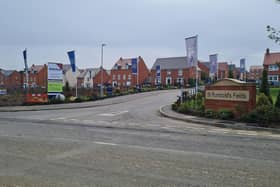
[
  {"x": 129, "y": 77},
  {"x": 272, "y": 78},
  {"x": 273, "y": 67},
  {"x": 124, "y": 77},
  {"x": 119, "y": 77},
  {"x": 168, "y": 72},
  {"x": 180, "y": 72},
  {"x": 114, "y": 77}
]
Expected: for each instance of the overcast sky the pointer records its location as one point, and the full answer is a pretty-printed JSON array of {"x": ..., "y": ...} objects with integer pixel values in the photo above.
[{"x": 149, "y": 28}]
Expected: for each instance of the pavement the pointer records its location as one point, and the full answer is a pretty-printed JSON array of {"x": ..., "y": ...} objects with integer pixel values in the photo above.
[{"x": 167, "y": 111}]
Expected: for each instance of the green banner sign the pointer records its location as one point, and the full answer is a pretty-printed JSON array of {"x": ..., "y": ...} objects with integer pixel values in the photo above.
[{"x": 55, "y": 86}]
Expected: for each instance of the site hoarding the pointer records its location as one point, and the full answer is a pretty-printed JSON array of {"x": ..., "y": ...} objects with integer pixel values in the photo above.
[{"x": 55, "y": 78}]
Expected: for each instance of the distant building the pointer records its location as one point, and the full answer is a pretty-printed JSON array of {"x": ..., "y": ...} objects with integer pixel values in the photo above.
[
  {"x": 174, "y": 71},
  {"x": 255, "y": 74},
  {"x": 37, "y": 76},
  {"x": 10, "y": 79},
  {"x": 69, "y": 76},
  {"x": 223, "y": 70},
  {"x": 122, "y": 75},
  {"x": 102, "y": 76},
  {"x": 271, "y": 63}
]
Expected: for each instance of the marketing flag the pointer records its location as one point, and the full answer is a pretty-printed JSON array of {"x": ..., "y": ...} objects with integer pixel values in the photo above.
[
  {"x": 134, "y": 68},
  {"x": 158, "y": 71},
  {"x": 213, "y": 63},
  {"x": 25, "y": 58},
  {"x": 71, "y": 55},
  {"x": 242, "y": 65},
  {"x": 191, "y": 47}
]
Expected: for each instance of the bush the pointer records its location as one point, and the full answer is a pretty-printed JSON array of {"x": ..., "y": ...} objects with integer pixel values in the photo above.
[
  {"x": 263, "y": 100},
  {"x": 210, "y": 114},
  {"x": 277, "y": 103},
  {"x": 225, "y": 114},
  {"x": 184, "y": 108},
  {"x": 264, "y": 115}
]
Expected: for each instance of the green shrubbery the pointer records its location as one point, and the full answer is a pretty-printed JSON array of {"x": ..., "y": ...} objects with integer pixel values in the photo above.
[{"x": 265, "y": 114}]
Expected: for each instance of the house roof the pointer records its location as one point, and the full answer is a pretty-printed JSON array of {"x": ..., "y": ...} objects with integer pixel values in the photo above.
[
  {"x": 36, "y": 68},
  {"x": 223, "y": 66},
  {"x": 6, "y": 72},
  {"x": 171, "y": 63},
  {"x": 271, "y": 58},
  {"x": 122, "y": 62}
]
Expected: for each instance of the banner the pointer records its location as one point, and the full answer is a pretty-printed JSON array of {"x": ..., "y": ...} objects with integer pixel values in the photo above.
[
  {"x": 191, "y": 48},
  {"x": 242, "y": 65},
  {"x": 71, "y": 55},
  {"x": 158, "y": 71},
  {"x": 25, "y": 59},
  {"x": 134, "y": 68},
  {"x": 213, "y": 64},
  {"x": 55, "y": 78}
]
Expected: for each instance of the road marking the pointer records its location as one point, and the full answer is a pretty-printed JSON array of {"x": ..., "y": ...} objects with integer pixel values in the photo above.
[
  {"x": 218, "y": 131},
  {"x": 113, "y": 113},
  {"x": 105, "y": 143}
]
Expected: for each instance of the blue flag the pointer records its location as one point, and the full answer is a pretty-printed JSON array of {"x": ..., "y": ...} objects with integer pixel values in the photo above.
[
  {"x": 242, "y": 65},
  {"x": 158, "y": 70},
  {"x": 25, "y": 58},
  {"x": 213, "y": 63},
  {"x": 134, "y": 69},
  {"x": 71, "y": 55}
]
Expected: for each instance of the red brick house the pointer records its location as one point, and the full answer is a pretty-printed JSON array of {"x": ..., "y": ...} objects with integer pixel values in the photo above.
[
  {"x": 122, "y": 76},
  {"x": 255, "y": 74},
  {"x": 14, "y": 80},
  {"x": 106, "y": 79},
  {"x": 174, "y": 71},
  {"x": 223, "y": 70},
  {"x": 272, "y": 64},
  {"x": 37, "y": 76},
  {"x": 10, "y": 79}
]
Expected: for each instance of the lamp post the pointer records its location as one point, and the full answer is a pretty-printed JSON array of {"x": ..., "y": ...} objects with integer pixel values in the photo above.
[{"x": 101, "y": 69}]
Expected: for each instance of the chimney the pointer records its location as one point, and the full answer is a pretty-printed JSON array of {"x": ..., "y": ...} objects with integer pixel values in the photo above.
[{"x": 267, "y": 51}]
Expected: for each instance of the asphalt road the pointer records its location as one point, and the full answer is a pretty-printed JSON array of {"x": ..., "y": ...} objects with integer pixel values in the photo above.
[{"x": 130, "y": 144}]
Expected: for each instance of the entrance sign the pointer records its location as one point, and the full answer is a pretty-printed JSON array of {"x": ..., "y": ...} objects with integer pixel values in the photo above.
[
  {"x": 234, "y": 95},
  {"x": 227, "y": 95}
]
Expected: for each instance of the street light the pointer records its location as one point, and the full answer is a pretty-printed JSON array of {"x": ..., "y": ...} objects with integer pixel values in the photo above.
[{"x": 101, "y": 69}]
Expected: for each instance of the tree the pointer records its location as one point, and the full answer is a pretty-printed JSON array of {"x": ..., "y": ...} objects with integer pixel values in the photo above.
[
  {"x": 230, "y": 73},
  {"x": 264, "y": 84},
  {"x": 274, "y": 34},
  {"x": 277, "y": 104}
]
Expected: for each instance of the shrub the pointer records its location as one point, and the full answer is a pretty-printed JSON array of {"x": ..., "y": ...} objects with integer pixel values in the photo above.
[
  {"x": 225, "y": 114},
  {"x": 184, "y": 108},
  {"x": 277, "y": 103},
  {"x": 263, "y": 100},
  {"x": 174, "y": 106},
  {"x": 210, "y": 113}
]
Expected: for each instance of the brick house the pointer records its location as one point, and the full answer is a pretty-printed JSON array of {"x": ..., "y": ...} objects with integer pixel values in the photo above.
[
  {"x": 122, "y": 76},
  {"x": 255, "y": 74},
  {"x": 10, "y": 79},
  {"x": 271, "y": 63},
  {"x": 98, "y": 76},
  {"x": 37, "y": 76},
  {"x": 223, "y": 70},
  {"x": 13, "y": 81},
  {"x": 174, "y": 71}
]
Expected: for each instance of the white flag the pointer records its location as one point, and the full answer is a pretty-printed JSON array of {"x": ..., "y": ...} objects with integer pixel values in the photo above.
[{"x": 191, "y": 47}]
